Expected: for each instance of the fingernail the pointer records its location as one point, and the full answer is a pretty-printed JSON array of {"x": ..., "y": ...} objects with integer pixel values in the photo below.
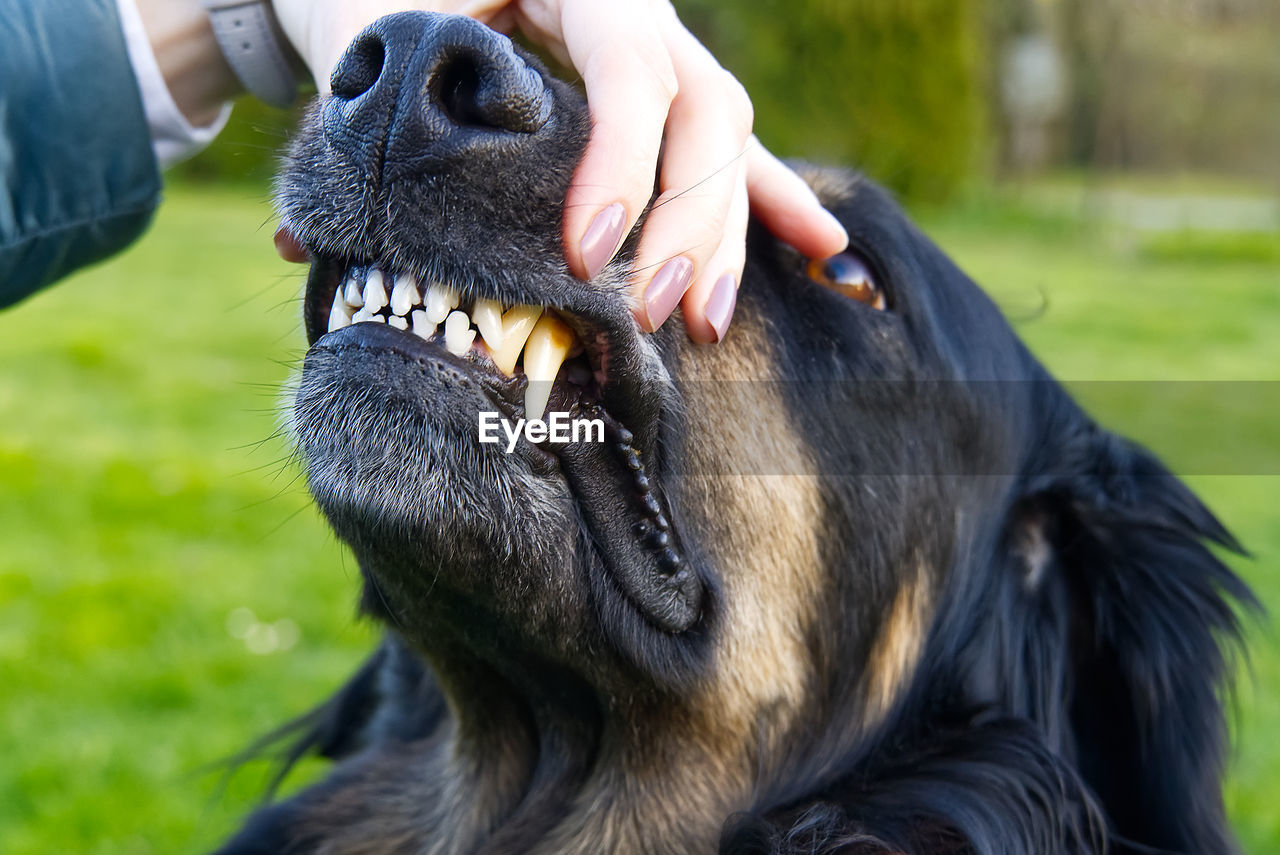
[
  {"x": 720, "y": 305},
  {"x": 602, "y": 238},
  {"x": 666, "y": 289},
  {"x": 839, "y": 226}
]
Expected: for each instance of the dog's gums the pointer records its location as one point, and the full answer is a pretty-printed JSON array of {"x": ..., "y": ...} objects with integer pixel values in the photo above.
[{"x": 859, "y": 578}]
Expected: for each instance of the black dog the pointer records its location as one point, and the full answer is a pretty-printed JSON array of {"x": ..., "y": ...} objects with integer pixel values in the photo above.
[{"x": 861, "y": 578}]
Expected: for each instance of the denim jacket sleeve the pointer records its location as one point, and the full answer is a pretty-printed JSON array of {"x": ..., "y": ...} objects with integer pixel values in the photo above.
[{"x": 79, "y": 178}]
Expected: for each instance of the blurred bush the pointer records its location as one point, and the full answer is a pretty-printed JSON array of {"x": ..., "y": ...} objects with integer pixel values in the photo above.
[{"x": 894, "y": 86}]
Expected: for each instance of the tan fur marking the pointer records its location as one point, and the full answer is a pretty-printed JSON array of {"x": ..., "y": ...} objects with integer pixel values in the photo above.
[
  {"x": 765, "y": 528},
  {"x": 897, "y": 647},
  {"x": 698, "y": 764}
]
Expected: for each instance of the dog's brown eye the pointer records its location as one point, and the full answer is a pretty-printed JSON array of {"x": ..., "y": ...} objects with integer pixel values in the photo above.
[{"x": 849, "y": 275}]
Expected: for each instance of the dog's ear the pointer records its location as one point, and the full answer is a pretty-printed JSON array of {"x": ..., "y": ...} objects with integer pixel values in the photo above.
[{"x": 1147, "y": 614}]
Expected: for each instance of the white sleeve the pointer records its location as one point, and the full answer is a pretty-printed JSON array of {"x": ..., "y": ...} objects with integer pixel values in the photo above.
[{"x": 172, "y": 137}]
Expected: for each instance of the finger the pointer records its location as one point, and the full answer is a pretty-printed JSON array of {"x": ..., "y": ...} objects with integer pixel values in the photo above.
[
  {"x": 709, "y": 303},
  {"x": 630, "y": 84},
  {"x": 785, "y": 204},
  {"x": 707, "y": 129}
]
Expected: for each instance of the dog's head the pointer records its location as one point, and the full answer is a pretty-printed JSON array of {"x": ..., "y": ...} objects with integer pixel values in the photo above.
[{"x": 868, "y": 498}]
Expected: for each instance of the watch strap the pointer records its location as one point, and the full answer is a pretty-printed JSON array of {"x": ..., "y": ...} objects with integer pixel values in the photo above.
[{"x": 255, "y": 48}]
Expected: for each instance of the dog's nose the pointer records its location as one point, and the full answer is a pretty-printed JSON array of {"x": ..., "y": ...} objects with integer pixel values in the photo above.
[{"x": 418, "y": 87}]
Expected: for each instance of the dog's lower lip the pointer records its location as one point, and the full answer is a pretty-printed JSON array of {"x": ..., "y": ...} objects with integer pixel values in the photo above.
[{"x": 649, "y": 568}]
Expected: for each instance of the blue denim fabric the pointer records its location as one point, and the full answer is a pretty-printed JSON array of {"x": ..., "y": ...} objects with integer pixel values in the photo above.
[{"x": 78, "y": 179}]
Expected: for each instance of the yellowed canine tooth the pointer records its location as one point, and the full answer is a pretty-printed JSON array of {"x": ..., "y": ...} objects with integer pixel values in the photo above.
[
  {"x": 544, "y": 353},
  {"x": 517, "y": 323},
  {"x": 487, "y": 316}
]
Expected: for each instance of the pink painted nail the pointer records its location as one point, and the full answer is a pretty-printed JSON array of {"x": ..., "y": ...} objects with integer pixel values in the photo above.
[
  {"x": 665, "y": 290},
  {"x": 839, "y": 226},
  {"x": 602, "y": 238},
  {"x": 720, "y": 305}
]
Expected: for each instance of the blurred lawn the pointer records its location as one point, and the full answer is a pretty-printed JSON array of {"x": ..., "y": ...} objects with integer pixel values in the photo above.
[{"x": 146, "y": 503}]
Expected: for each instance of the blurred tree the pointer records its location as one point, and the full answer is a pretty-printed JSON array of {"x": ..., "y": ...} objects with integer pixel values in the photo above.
[
  {"x": 896, "y": 87},
  {"x": 1091, "y": 37},
  {"x": 1174, "y": 85}
]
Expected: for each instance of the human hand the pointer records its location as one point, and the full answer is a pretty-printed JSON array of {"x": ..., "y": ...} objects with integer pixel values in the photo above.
[{"x": 647, "y": 80}]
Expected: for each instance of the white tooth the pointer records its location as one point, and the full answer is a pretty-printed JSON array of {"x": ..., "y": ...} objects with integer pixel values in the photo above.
[
  {"x": 351, "y": 293},
  {"x": 340, "y": 314},
  {"x": 517, "y": 323},
  {"x": 548, "y": 345},
  {"x": 375, "y": 292},
  {"x": 458, "y": 333},
  {"x": 438, "y": 301},
  {"x": 404, "y": 296},
  {"x": 422, "y": 327},
  {"x": 487, "y": 316},
  {"x": 398, "y": 322},
  {"x": 366, "y": 315}
]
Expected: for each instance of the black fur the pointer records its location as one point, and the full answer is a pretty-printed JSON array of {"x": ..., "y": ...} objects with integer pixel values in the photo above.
[{"x": 1038, "y": 598}]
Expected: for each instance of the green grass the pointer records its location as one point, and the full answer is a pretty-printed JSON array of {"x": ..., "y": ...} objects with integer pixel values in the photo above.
[{"x": 146, "y": 502}]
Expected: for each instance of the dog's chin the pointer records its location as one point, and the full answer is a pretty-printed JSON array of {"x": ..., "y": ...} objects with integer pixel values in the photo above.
[
  {"x": 388, "y": 426},
  {"x": 389, "y": 440}
]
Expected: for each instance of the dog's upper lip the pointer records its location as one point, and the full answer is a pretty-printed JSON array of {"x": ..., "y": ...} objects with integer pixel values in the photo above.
[{"x": 610, "y": 341}]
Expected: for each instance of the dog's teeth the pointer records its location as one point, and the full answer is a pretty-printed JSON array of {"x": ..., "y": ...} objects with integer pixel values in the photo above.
[
  {"x": 375, "y": 292},
  {"x": 438, "y": 301},
  {"x": 340, "y": 314},
  {"x": 487, "y": 316},
  {"x": 365, "y": 315},
  {"x": 458, "y": 333},
  {"x": 397, "y": 322},
  {"x": 546, "y": 350},
  {"x": 404, "y": 296},
  {"x": 422, "y": 327},
  {"x": 517, "y": 323},
  {"x": 351, "y": 293}
]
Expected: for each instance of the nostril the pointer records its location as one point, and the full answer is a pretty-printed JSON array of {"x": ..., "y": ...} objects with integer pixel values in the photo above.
[
  {"x": 456, "y": 88},
  {"x": 359, "y": 67},
  {"x": 484, "y": 86}
]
